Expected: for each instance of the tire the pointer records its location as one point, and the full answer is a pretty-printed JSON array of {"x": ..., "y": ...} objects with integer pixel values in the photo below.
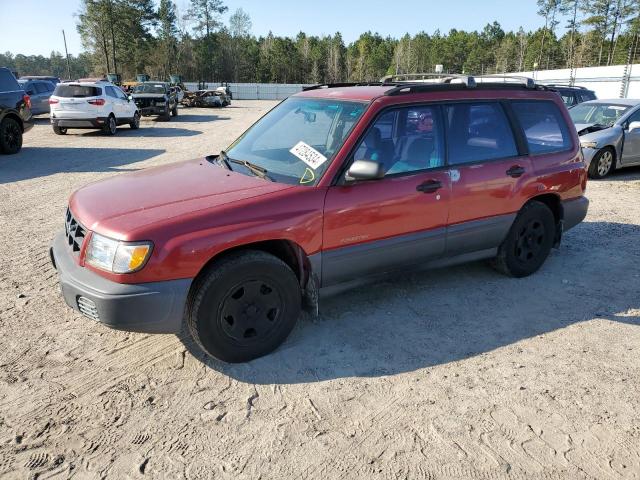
[
  {"x": 528, "y": 242},
  {"x": 112, "y": 126},
  {"x": 603, "y": 163},
  {"x": 10, "y": 136},
  {"x": 174, "y": 111},
  {"x": 244, "y": 306},
  {"x": 59, "y": 130},
  {"x": 135, "y": 125}
]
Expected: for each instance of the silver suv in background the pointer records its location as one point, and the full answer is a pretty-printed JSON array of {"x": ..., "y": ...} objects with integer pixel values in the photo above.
[
  {"x": 609, "y": 133},
  {"x": 39, "y": 91}
]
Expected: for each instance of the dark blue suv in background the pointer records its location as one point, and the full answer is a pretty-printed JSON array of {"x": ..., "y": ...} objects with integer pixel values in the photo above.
[{"x": 15, "y": 112}]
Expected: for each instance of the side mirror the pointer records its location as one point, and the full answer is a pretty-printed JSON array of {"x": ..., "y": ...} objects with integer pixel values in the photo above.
[
  {"x": 365, "y": 170},
  {"x": 129, "y": 97},
  {"x": 30, "y": 92},
  {"x": 633, "y": 126}
]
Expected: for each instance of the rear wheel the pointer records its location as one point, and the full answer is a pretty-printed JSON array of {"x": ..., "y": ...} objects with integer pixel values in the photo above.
[
  {"x": 528, "y": 242},
  {"x": 111, "y": 127},
  {"x": 59, "y": 130},
  {"x": 10, "y": 136},
  {"x": 244, "y": 307},
  {"x": 135, "y": 124},
  {"x": 602, "y": 164}
]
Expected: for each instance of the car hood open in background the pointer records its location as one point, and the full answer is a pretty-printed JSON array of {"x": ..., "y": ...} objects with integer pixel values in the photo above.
[
  {"x": 584, "y": 128},
  {"x": 120, "y": 205}
]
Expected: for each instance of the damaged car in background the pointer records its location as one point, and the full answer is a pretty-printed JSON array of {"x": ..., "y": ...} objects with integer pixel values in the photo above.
[
  {"x": 207, "y": 98},
  {"x": 156, "y": 98},
  {"x": 609, "y": 132}
]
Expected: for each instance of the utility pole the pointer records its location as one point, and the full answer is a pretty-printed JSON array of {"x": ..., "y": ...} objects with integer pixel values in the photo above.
[{"x": 67, "y": 54}]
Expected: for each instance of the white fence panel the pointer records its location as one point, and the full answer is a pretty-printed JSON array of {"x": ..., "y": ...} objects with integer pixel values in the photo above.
[
  {"x": 607, "y": 82},
  {"x": 255, "y": 91}
]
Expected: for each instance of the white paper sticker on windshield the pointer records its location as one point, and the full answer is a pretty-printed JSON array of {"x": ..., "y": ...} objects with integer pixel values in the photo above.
[{"x": 308, "y": 155}]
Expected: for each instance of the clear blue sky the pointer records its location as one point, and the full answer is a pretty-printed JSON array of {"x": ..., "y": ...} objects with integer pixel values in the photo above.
[{"x": 34, "y": 26}]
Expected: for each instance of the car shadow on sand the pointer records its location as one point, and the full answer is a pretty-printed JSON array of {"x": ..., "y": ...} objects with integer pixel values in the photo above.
[
  {"x": 440, "y": 316},
  {"x": 194, "y": 117},
  {"x": 34, "y": 162},
  {"x": 143, "y": 131}
]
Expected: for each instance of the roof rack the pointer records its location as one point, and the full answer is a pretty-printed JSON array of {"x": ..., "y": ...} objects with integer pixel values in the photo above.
[
  {"x": 427, "y": 78},
  {"x": 526, "y": 81}
]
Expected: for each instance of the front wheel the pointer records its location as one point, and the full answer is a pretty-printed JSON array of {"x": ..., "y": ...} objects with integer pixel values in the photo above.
[
  {"x": 528, "y": 242},
  {"x": 244, "y": 307},
  {"x": 10, "y": 136},
  {"x": 602, "y": 164},
  {"x": 59, "y": 130}
]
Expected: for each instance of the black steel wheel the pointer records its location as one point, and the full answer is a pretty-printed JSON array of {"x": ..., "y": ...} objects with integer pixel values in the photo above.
[
  {"x": 528, "y": 242},
  {"x": 244, "y": 306},
  {"x": 10, "y": 136},
  {"x": 59, "y": 130}
]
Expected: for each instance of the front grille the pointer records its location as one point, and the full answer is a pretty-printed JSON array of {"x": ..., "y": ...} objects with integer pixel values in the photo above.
[
  {"x": 74, "y": 231},
  {"x": 88, "y": 308}
]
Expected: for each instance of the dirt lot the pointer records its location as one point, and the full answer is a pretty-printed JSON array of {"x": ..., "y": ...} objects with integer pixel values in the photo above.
[{"x": 450, "y": 374}]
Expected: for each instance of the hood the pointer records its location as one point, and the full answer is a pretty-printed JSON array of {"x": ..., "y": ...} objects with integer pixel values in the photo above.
[
  {"x": 121, "y": 205},
  {"x": 584, "y": 128}
]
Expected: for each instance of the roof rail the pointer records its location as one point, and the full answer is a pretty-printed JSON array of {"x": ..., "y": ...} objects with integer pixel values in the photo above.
[
  {"x": 413, "y": 78},
  {"x": 525, "y": 81},
  {"x": 343, "y": 84},
  {"x": 565, "y": 85}
]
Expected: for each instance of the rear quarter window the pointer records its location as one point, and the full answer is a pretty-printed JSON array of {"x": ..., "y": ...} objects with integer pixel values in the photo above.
[
  {"x": 8, "y": 82},
  {"x": 543, "y": 125},
  {"x": 76, "y": 91}
]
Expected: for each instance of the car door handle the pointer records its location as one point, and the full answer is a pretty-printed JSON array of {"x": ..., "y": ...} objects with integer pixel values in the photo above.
[
  {"x": 429, "y": 186},
  {"x": 515, "y": 171}
]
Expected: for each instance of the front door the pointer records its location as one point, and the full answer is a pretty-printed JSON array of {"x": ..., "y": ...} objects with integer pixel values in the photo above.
[
  {"x": 399, "y": 220},
  {"x": 631, "y": 147}
]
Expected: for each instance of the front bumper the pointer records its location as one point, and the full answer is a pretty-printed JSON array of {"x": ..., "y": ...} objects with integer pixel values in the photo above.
[
  {"x": 153, "y": 110},
  {"x": 156, "y": 307},
  {"x": 98, "y": 122},
  {"x": 588, "y": 154}
]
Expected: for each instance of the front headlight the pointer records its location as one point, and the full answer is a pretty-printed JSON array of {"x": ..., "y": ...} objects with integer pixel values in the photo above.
[
  {"x": 588, "y": 144},
  {"x": 115, "y": 256}
]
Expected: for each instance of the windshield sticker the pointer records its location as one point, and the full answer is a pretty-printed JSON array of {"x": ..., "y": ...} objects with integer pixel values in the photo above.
[
  {"x": 308, "y": 155},
  {"x": 308, "y": 176}
]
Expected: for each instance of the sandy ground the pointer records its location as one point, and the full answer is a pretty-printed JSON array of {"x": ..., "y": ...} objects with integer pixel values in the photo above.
[{"x": 449, "y": 374}]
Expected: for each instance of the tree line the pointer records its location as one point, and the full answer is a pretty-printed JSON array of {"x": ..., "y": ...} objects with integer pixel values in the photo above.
[{"x": 142, "y": 36}]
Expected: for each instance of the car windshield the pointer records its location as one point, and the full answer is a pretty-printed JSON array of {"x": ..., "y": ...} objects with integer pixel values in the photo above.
[
  {"x": 597, "y": 113},
  {"x": 149, "y": 88},
  {"x": 296, "y": 141}
]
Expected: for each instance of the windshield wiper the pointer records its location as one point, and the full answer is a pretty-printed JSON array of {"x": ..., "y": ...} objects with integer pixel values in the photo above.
[
  {"x": 223, "y": 159},
  {"x": 257, "y": 170}
]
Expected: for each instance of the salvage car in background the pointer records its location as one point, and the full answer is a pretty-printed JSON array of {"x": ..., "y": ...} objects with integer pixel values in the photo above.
[
  {"x": 609, "y": 133},
  {"x": 207, "y": 98},
  {"x": 39, "y": 91},
  {"x": 156, "y": 98}
]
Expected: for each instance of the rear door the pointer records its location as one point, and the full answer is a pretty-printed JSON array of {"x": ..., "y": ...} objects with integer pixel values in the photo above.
[
  {"x": 486, "y": 169},
  {"x": 397, "y": 221},
  {"x": 42, "y": 97}
]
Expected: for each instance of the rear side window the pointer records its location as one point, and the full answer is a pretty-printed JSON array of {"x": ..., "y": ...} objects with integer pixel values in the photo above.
[
  {"x": 478, "y": 132},
  {"x": 543, "y": 125},
  {"x": 40, "y": 87},
  {"x": 8, "y": 82},
  {"x": 76, "y": 91}
]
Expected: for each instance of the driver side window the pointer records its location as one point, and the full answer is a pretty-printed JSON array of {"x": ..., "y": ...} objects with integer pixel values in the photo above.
[{"x": 405, "y": 140}]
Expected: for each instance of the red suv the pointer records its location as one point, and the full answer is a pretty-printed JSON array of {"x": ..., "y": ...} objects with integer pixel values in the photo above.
[{"x": 335, "y": 185}]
